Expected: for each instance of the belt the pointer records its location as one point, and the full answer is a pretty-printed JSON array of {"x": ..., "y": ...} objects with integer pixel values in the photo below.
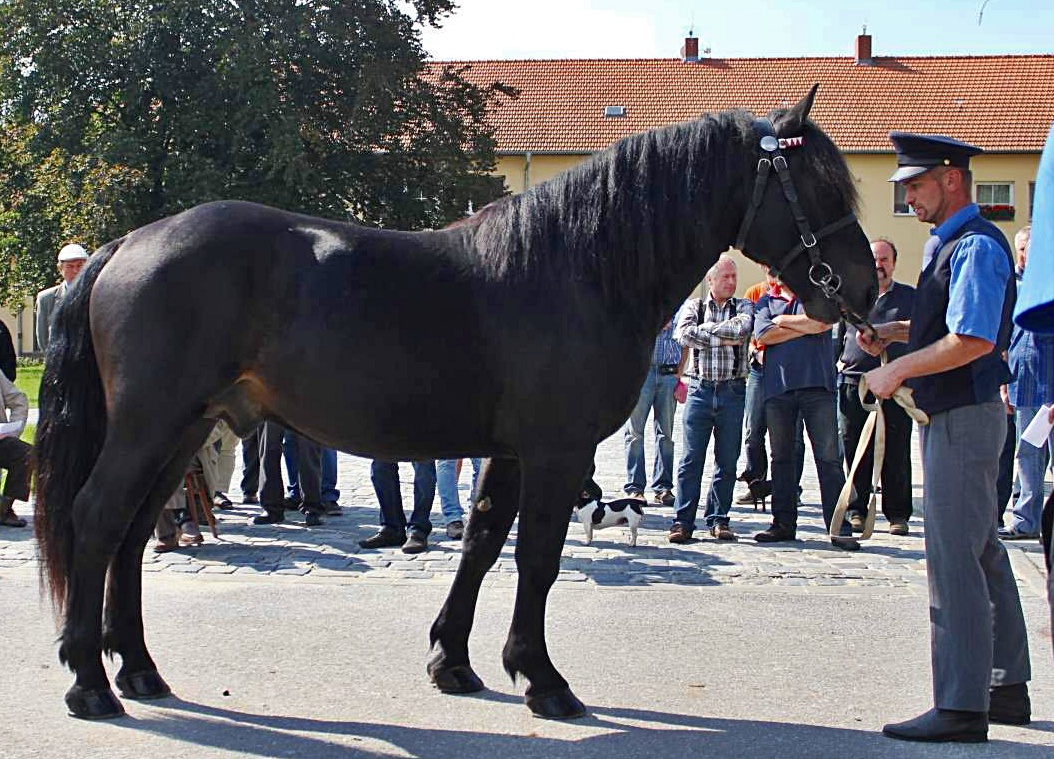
[
  {"x": 667, "y": 368},
  {"x": 717, "y": 382}
]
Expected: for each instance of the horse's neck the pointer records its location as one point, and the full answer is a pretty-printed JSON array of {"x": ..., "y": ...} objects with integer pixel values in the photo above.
[{"x": 690, "y": 238}]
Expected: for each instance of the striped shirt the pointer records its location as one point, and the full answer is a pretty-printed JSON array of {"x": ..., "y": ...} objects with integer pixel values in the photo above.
[
  {"x": 667, "y": 350},
  {"x": 704, "y": 326}
]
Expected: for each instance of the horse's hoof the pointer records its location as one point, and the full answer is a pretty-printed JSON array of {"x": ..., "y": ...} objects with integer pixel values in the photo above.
[
  {"x": 460, "y": 679},
  {"x": 93, "y": 704},
  {"x": 562, "y": 704},
  {"x": 142, "y": 686}
]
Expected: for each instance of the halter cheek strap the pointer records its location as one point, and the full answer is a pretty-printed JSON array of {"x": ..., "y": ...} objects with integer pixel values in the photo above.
[{"x": 820, "y": 272}]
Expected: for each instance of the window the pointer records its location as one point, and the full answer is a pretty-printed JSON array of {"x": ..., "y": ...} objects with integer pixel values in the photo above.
[
  {"x": 1031, "y": 198},
  {"x": 900, "y": 203},
  {"x": 996, "y": 200}
]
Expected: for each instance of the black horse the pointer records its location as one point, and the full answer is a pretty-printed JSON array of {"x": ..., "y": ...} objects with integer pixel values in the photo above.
[{"x": 482, "y": 339}]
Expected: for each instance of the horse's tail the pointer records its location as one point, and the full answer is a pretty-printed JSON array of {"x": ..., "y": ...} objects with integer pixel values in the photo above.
[{"x": 72, "y": 425}]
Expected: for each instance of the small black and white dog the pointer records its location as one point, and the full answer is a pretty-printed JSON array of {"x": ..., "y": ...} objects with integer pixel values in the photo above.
[{"x": 595, "y": 514}]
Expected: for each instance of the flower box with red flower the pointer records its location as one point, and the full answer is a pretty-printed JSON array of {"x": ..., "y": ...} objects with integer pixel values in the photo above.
[{"x": 997, "y": 211}]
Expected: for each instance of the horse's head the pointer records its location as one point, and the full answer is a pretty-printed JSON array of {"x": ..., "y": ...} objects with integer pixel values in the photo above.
[{"x": 800, "y": 217}]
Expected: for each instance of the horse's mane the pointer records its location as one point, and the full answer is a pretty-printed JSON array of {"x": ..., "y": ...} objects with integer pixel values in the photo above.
[{"x": 626, "y": 218}]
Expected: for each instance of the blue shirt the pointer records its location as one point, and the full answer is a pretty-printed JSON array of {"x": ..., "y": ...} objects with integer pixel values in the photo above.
[
  {"x": 1031, "y": 359},
  {"x": 979, "y": 273},
  {"x": 1035, "y": 297},
  {"x": 804, "y": 362},
  {"x": 667, "y": 350}
]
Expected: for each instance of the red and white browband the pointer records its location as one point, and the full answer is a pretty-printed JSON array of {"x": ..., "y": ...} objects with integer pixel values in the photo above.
[{"x": 791, "y": 142}]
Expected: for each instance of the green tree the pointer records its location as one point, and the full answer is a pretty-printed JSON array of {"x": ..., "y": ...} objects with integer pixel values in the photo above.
[{"x": 117, "y": 113}]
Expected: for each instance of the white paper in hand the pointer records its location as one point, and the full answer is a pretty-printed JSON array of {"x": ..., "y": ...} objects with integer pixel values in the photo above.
[
  {"x": 1038, "y": 430},
  {"x": 10, "y": 428}
]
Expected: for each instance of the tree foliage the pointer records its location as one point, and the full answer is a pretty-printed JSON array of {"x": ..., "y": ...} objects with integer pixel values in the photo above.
[{"x": 119, "y": 112}]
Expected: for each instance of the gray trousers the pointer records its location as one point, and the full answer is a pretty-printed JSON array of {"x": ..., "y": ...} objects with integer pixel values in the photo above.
[{"x": 976, "y": 625}]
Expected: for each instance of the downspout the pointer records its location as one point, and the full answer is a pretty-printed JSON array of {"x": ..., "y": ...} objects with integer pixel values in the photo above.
[{"x": 526, "y": 170}]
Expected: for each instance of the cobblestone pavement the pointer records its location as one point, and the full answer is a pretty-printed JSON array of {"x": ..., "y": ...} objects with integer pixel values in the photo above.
[{"x": 331, "y": 552}]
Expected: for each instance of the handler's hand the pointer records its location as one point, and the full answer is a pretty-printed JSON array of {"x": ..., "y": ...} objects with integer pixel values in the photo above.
[
  {"x": 883, "y": 381},
  {"x": 870, "y": 344}
]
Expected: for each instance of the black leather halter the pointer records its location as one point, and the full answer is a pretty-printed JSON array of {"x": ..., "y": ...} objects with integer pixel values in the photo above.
[{"x": 820, "y": 272}]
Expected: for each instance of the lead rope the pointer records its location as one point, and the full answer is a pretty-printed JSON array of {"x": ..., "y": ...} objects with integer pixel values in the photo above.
[{"x": 874, "y": 426}]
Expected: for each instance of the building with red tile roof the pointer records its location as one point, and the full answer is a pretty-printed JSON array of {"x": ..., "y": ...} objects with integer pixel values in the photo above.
[{"x": 569, "y": 109}]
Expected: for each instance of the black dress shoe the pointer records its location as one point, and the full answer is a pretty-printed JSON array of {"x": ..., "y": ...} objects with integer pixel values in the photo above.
[
  {"x": 941, "y": 726},
  {"x": 776, "y": 533},
  {"x": 386, "y": 537},
  {"x": 846, "y": 543},
  {"x": 1010, "y": 705},
  {"x": 312, "y": 514},
  {"x": 270, "y": 516},
  {"x": 249, "y": 499}
]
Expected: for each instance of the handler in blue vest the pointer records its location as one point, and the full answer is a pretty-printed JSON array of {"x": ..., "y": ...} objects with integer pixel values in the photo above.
[{"x": 959, "y": 328}]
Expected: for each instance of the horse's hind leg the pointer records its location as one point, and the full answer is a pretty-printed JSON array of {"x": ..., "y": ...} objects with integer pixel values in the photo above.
[
  {"x": 123, "y": 620},
  {"x": 550, "y": 487},
  {"x": 103, "y": 511},
  {"x": 493, "y": 511}
]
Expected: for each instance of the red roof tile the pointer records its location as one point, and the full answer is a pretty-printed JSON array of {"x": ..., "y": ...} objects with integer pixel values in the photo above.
[{"x": 1001, "y": 103}]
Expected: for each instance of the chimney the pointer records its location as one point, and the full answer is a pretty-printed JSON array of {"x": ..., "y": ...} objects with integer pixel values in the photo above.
[
  {"x": 863, "y": 49},
  {"x": 690, "y": 51}
]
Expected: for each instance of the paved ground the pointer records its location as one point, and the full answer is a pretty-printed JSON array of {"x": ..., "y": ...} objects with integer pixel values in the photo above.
[{"x": 289, "y": 641}]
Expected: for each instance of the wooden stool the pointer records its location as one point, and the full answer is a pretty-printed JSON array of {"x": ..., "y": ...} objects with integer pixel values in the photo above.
[{"x": 198, "y": 496}]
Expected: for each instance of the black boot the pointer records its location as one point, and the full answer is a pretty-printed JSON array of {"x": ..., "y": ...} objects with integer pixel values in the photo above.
[
  {"x": 942, "y": 726},
  {"x": 8, "y": 517},
  {"x": 1010, "y": 705},
  {"x": 312, "y": 514}
]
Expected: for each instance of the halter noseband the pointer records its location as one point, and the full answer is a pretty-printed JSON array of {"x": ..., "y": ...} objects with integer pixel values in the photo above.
[{"x": 820, "y": 272}]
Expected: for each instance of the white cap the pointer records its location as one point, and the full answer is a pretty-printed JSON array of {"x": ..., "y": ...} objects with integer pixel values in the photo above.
[{"x": 72, "y": 252}]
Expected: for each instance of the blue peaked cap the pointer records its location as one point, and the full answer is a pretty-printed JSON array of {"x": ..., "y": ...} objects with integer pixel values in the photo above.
[{"x": 918, "y": 153}]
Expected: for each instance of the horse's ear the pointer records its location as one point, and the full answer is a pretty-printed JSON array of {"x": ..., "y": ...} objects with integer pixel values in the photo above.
[{"x": 792, "y": 122}]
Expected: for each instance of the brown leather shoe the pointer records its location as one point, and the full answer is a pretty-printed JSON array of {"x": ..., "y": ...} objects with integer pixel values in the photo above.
[
  {"x": 856, "y": 522},
  {"x": 416, "y": 543},
  {"x": 679, "y": 534},
  {"x": 898, "y": 527},
  {"x": 722, "y": 531}
]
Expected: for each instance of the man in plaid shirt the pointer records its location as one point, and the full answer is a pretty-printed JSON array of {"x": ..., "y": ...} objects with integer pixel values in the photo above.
[{"x": 717, "y": 329}]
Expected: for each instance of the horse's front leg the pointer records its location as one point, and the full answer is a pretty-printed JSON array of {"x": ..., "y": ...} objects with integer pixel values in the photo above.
[
  {"x": 550, "y": 488},
  {"x": 494, "y": 508}
]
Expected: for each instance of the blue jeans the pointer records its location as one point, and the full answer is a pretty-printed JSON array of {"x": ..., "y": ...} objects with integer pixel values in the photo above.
[
  {"x": 446, "y": 484},
  {"x": 657, "y": 394},
  {"x": 712, "y": 407},
  {"x": 330, "y": 494},
  {"x": 815, "y": 407},
  {"x": 385, "y": 478},
  {"x": 1031, "y": 468},
  {"x": 754, "y": 429}
]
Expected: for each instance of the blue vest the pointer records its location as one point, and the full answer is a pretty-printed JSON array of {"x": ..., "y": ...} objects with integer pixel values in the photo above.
[{"x": 979, "y": 380}]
